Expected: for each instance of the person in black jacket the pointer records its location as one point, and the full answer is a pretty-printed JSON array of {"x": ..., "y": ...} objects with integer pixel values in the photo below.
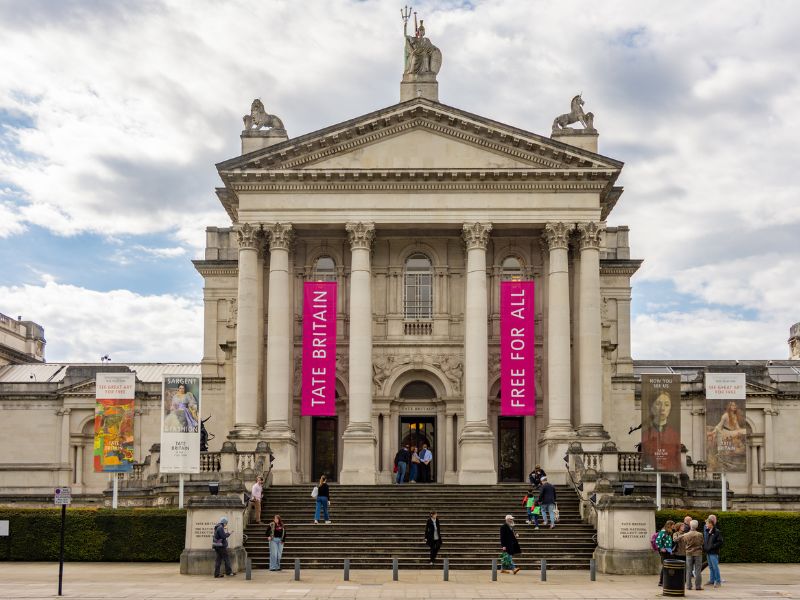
[
  {"x": 509, "y": 542},
  {"x": 712, "y": 544},
  {"x": 535, "y": 477},
  {"x": 401, "y": 460},
  {"x": 220, "y": 544},
  {"x": 547, "y": 498},
  {"x": 433, "y": 535},
  {"x": 323, "y": 501}
]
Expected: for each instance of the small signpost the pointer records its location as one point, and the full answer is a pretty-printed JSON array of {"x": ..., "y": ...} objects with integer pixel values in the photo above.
[{"x": 62, "y": 497}]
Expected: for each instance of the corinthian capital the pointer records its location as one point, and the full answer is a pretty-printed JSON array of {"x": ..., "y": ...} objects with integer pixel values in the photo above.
[
  {"x": 476, "y": 235},
  {"x": 249, "y": 236},
  {"x": 590, "y": 235},
  {"x": 557, "y": 235},
  {"x": 281, "y": 236},
  {"x": 360, "y": 235}
]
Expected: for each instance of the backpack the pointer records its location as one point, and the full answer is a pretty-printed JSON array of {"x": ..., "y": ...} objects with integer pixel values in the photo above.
[
  {"x": 653, "y": 545},
  {"x": 315, "y": 492}
]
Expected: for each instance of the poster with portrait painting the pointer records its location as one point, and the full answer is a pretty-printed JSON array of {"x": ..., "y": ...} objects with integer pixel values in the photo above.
[
  {"x": 661, "y": 423},
  {"x": 180, "y": 424},
  {"x": 726, "y": 427}
]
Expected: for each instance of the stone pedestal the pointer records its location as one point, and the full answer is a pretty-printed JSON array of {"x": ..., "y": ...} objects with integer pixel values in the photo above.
[
  {"x": 419, "y": 86},
  {"x": 624, "y": 527},
  {"x": 257, "y": 139},
  {"x": 580, "y": 138},
  {"x": 202, "y": 514}
]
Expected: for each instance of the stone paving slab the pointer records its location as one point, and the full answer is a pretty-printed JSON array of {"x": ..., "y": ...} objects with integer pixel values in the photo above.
[{"x": 148, "y": 581}]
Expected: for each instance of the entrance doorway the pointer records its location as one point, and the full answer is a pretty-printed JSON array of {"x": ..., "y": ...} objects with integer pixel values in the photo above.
[
  {"x": 324, "y": 441},
  {"x": 510, "y": 445},
  {"x": 416, "y": 431}
]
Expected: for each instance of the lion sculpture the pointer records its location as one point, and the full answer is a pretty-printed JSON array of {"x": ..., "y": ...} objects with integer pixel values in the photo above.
[{"x": 259, "y": 117}]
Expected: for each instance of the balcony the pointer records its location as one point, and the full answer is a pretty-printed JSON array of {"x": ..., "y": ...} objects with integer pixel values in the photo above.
[{"x": 418, "y": 327}]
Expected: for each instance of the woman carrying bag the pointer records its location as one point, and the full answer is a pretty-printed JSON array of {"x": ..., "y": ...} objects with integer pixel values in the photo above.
[
  {"x": 323, "y": 500},
  {"x": 276, "y": 534}
]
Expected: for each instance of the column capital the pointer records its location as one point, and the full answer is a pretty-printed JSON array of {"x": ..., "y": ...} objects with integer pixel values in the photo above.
[
  {"x": 361, "y": 234},
  {"x": 249, "y": 236},
  {"x": 589, "y": 235},
  {"x": 281, "y": 236},
  {"x": 476, "y": 235},
  {"x": 557, "y": 235}
]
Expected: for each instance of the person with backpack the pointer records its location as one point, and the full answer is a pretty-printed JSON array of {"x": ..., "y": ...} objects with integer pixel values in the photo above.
[
  {"x": 322, "y": 496},
  {"x": 665, "y": 546},
  {"x": 276, "y": 535},
  {"x": 712, "y": 545},
  {"x": 219, "y": 542}
]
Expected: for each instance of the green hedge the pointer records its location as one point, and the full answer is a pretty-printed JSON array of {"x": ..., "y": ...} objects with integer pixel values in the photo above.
[
  {"x": 750, "y": 536},
  {"x": 138, "y": 535}
]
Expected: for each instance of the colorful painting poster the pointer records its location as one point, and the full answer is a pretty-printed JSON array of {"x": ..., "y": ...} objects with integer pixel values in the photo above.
[
  {"x": 180, "y": 424},
  {"x": 517, "y": 349},
  {"x": 113, "y": 422},
  {"x": 661, "y": 423},
  {"x": 726, "y": 427},
  {"x": 318, "y": 391}
]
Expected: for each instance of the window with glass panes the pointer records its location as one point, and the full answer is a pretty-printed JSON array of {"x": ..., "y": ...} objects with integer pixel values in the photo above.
[
  {"x": 418, "y": 287},
  {"x": 324, "y": 269},
  {"x": 512, "y": 269}
]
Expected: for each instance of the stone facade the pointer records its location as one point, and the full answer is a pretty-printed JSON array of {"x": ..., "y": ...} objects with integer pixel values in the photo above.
[{"x": 20, "y": 341}]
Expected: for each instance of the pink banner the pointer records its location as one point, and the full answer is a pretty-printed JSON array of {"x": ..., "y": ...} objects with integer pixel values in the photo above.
[
  {"x": 319, "y": 349},
  {"x": 517, "y": 343}
]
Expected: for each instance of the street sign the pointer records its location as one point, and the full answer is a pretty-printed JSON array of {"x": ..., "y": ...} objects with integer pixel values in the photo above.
[{"x": 63, "y": 496}]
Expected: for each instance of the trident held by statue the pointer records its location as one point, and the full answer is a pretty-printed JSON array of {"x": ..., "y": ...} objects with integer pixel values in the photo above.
[{"x": 405, "y": 13}]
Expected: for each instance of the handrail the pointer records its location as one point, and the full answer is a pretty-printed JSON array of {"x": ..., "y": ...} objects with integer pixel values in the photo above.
[{"x": 580, "y": 492}]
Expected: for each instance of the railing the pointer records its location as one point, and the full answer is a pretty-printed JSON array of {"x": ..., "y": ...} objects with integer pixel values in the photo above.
[
  {"x": 137, "y": 472},
  {"x": 210, "y": 462},
  {"x": 418, "y": 327},
  {"x": 629, "y": 462},
  {"x": 593, "y": 460},
  {"x": 245, "y": 461}
]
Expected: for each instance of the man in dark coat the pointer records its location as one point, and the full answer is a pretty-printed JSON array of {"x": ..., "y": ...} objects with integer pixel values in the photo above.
[
  {"x": 547, "y": 498},
  {"x": 509, "y": 542},
  {"x": 220, "y": 544},
  {"x": 401, "y": 461},
  {"x": 433, "y": 535}
]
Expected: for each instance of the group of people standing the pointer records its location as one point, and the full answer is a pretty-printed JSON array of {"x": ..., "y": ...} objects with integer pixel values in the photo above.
[
  {"x": 416, "y": 463},
  {"x": 683, "y": 541}
]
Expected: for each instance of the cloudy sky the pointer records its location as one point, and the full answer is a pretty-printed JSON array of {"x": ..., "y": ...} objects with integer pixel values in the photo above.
[{"x": 112, "y": 115}]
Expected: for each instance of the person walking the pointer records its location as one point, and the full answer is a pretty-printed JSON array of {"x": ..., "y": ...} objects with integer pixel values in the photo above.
[
  {"x": 693, "y": 542},
  {"x": 414, "y": 466},
  {"x": 401, "y": 460},
  {"x": 255, "y": 498},
  {"x": 323, "y": 501},
  {"x": 220, "y": 544},
  {"x": 509, "y": 541},
  {"x": 547, "y": 500},
  {"x": 425, "y": 460},
  {"x": 433, "y": 535},
  {"x": 535, "y": 477},
  {"x": 276, "y": 534},
  {"x": 665, "y": 545},
  {"x": 712, "y": 545}
]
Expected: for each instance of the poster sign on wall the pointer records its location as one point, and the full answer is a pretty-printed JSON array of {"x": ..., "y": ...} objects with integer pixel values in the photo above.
[
  {"x": 517, "y": 349},
  {"x": 661, "y": 423},
  {"x": 180, "y": 424},
  {"x": 319, "y": 349},
  {"x": 726, "y": 428},
  {"x": 113, "y": 422}
]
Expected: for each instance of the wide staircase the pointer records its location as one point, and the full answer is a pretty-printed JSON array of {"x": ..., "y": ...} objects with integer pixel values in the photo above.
[{"x": 371, "y": 525}]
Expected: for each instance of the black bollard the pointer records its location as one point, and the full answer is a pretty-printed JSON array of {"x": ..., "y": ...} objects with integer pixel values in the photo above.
[
  {"x": 297, "y": 569},
  {"x": 394, "y": 570},
  {"x": 248, "y": 569},
  {"x": 544, "y": 569},
  {"x": 347, "y": 569},
  {"x": 592, "y": 570},
  {"x": 494, "y": 569},
  {"x": 446, "y": 567}
]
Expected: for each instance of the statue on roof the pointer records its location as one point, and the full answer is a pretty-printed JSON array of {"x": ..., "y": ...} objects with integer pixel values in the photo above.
[
  {"x": 259, "y": 118},
  {"x": 421, "y": 56},
  {"x": 575, "y": 115}
]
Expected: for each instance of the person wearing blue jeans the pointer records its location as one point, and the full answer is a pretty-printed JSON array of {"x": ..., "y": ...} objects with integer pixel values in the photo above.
[
  {"x": 401, "y": 459},
  {"x": 276, "y": 534},
  {"x": 323, "y": 498},
  {"x": 712, "y": 544},
  {"x": 547, "y": 499}
]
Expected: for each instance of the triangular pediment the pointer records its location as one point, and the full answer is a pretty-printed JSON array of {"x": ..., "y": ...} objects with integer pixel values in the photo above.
[{"x": 421, "y": 134}]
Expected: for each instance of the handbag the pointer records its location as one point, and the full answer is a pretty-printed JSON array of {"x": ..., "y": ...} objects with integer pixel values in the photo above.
[
  {"x": 505, "y": 560},
  {"x": 315, "y": 492},
  {"x": 555, "y": 513}
]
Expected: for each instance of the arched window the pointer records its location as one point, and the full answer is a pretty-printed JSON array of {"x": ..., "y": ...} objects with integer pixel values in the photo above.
[
  {"x": 324, "y": 269},
  {"x": 418, "y": 287},
  {"x": 417, "y": 390},
  {"x": 512, "y": 269}
]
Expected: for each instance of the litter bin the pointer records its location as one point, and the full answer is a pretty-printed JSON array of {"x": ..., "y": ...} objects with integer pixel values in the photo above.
[{"x": 674, "y": 577}]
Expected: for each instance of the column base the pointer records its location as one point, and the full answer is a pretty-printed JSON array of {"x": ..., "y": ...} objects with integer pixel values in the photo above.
[
  {"x": 283, "y": 443},
  {"x": 245, "y": 436},
  {"x": 627, "y": 562},
  {"x": 553, "y": 448},
  {"x": 593, "y": 430},
  {"x": 358, "y": 455},
  {"x": 477, "y": 455}
]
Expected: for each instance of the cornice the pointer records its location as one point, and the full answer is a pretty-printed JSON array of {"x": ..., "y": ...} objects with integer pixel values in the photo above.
[
  {"x": 217, "y": 268},
  {"x": 617, "y": 266}
]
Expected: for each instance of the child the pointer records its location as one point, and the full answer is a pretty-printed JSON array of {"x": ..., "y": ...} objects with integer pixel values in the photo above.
[
  {"x": 536, "y": 513},
  {"x": 527, "y": 502}
]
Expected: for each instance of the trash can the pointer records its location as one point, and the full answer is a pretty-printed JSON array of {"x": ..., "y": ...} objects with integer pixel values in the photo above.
[{"x": 674, "y": 577}]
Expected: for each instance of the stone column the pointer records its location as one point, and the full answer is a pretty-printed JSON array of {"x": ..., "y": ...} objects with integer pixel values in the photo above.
[
  {"x": 358, "y": 456},
  {"x": 248, "y": 336},
  {"x": 79, "y": 465},
  {"x": 590, "y": 374},
  {"x": 278, "y": 431},
  {"x": 624, "y": 360},
  {"x": 476, "y": 442},
  {"x": 698, "y": 433},
  {"x": 769, "y": 449}
]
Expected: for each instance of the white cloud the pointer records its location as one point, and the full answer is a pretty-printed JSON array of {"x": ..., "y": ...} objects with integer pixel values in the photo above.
[
  {"x": 10, "y": 221},
  {"x": 83, "y": 325}
]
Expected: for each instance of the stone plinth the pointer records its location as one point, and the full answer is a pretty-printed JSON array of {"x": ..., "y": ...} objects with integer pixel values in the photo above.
[
  {"x": 624, "y": 527},
  {"x": 202, "y": 514},
  {"x": 419, "y": 86},
  {"x": 581, "y": 138},
  {"x": 256, "y": 139}
]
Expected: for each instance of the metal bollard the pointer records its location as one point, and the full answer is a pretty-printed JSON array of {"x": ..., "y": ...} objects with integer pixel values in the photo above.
[
  {"x": 248, "y": 569},
  {"x": 544, "y": 569},
  {"x": 592, "y": 570},
  {"x": 494, "y": 569},
  {"x": 297, "y": 569},
  {"x": 446, "y": 573},
  {"x": 394, "y": 570},
  {"x": 347, "y": 569}
]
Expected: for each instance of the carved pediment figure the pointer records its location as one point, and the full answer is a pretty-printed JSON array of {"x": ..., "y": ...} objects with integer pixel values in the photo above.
[
  {"x": 259, "y": 118},
  {"x": 575, "y": 115}
]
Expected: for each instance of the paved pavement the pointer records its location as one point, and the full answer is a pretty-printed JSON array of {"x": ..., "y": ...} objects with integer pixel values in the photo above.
[{"x": 92, "y": 581}]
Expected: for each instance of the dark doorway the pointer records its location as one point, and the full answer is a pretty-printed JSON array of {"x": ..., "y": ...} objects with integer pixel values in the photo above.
[
  {"x": 325, "y": 441},
  {"x": 416, "y": 431},
  {"x": 510, "y": 444}
]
